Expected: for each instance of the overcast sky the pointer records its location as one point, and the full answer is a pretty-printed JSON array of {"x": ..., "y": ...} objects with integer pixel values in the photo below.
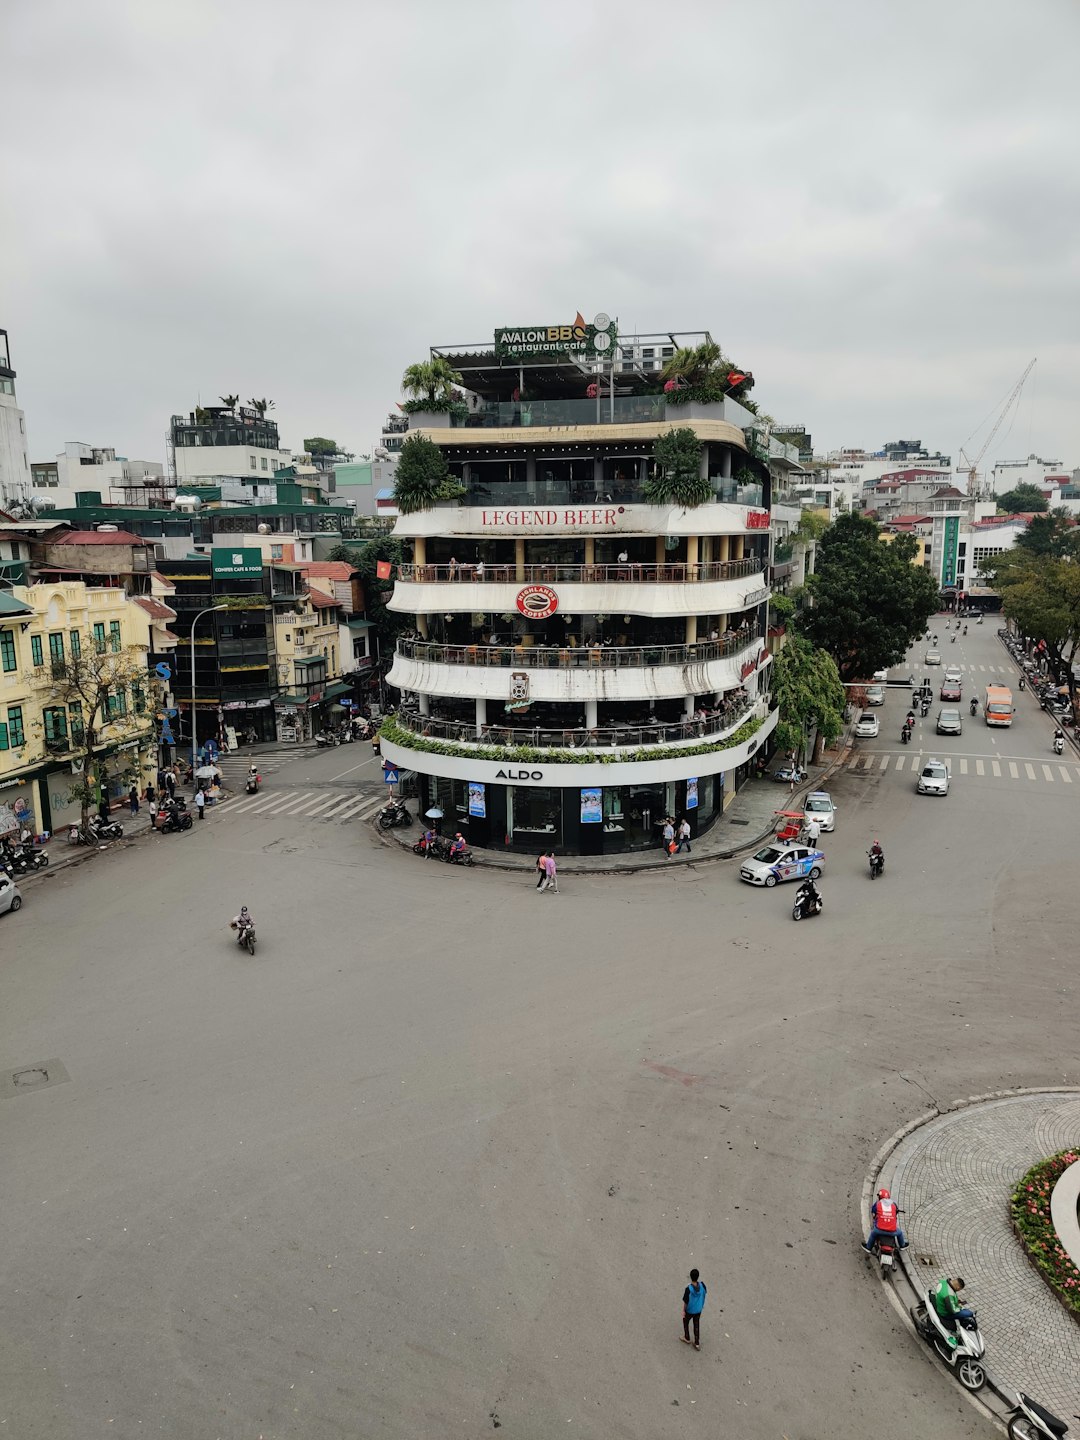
[{"x": 874, "y": 206}]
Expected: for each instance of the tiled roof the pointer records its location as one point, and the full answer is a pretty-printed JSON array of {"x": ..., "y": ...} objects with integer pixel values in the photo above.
[
  {"x": 320, "y": 598},
  {"x": 100, "y": 537},
  {"x": 330, "y": 570},
  {"x": 154, "y": 608}
]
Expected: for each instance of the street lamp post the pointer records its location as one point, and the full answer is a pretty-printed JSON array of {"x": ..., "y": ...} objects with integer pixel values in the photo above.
[{"x": 210, "y": 609}]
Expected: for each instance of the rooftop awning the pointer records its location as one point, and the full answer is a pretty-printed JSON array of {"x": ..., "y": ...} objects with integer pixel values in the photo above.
[
  {"x": 359, "y": 624},
  {"x": 333, "y": 692}
]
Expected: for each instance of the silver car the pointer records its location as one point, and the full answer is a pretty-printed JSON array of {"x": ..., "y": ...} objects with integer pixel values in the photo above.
[
  {"x": 10, "y": 899},
  {"x": 932, "y": 657},
  {"x": 934, "y": 779},
  {"x": 950, "y": 722},
  {"x": 820, "y": 807}
]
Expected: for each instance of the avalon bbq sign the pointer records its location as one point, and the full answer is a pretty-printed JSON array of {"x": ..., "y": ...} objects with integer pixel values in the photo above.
[{"x": 578, "y": 338}]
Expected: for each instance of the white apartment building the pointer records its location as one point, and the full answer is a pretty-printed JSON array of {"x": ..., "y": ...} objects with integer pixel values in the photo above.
[
  {"x": 1034, "y": 470},
  {"x": 846, "y": 474},
  {"x": 217, "y": 440},
  {"x": 14, "y": 465},
  {"x": 82, "y": 468}
]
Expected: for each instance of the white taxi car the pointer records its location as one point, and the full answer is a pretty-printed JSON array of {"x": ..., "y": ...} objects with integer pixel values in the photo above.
[
  {"x": 819, "y": 806},
  {"x": 934, "y": 779},
  {"x": 782, "y": 862},
  {"x": 868, "y": 727}
]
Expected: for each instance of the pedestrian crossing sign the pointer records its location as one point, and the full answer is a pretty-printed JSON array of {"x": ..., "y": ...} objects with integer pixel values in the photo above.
[{"x": 390, "y": 775}]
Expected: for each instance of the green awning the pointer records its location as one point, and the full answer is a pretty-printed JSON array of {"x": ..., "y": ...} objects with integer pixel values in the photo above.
[
  {"x": 309, "y": 659},
  {"x": 360, "y": 624},
  {"x": 10, "y": 606},
  {"x": 332, "y": 692}
]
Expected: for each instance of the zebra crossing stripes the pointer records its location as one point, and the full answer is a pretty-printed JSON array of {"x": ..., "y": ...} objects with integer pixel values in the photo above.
[
  {"x": 307, "y": 805},
  {"x": 1040, "y": 771}
]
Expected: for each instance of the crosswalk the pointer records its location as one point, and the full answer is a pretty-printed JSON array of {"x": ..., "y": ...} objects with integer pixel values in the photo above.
[
  {"x": 234, "y": 766},
  {"x": 315, "y": 805},
  {"x": 980, "y": 766}
]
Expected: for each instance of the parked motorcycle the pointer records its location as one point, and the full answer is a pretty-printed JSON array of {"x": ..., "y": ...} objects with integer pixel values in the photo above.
[
  {"x": 175, "y": 821},
  {"x": 96, "y": 833},
  {"x": 20, "y": 860},
  {"x": 396, "y": 812},
  {"x": 1030, "y": 1420},
  {"x": 808, "y": 902},
  {"x": 789, "y": 773},
  {"x": 962, "y": 1349},
  {"x": 325, "y": 739}
]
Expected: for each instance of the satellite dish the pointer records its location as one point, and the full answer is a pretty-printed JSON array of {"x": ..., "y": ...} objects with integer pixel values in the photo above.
[
  {"x": 601, "y": 321},
  {"x": 264, "y": 529}
]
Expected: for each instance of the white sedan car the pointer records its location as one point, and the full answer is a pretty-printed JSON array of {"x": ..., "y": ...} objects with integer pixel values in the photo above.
[
  {"x": 932, "y": 657},
  {"x": 868, "y": 727},
  {"x": 782, "y": 862},
  {"x": 934, "y": 779},
  {"x": 819, "y": 806}
]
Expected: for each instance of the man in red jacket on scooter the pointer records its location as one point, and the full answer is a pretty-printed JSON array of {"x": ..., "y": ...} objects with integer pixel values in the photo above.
[{"x": 884, "y": 1222}]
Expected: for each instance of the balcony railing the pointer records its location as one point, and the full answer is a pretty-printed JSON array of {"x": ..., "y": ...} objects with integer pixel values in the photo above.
[
  {"x": 601, "y": 737},
  {"x": 628, "y": 573},
  {"x": 581, "y": 657},
  {"x": 503, "y": 415},
  {"x": 624, "y": 491}
]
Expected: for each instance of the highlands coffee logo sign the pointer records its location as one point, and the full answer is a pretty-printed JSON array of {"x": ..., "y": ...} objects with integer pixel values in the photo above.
[
  {"x": 594, "y": 339},
  {"x": 537, "y": 601}
]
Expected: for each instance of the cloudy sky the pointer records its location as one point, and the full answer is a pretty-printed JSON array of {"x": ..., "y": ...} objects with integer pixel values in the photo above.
[{"x": 875, "y": 206}]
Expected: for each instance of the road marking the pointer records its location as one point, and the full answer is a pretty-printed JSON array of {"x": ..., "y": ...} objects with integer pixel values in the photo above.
[
  {"x": 307, "y": 808},
  {"x": 996, "y": 768},
  {"x": 1048, "y": 774},
  {"x": 351, "y": 768},
  {"x": 899, "y": 762},
  {"x": 884, "y": 763},
  {"x": 1064, "y": 774},
  {"x": 1029, "y": 771},
  {"x": 1014, "y": 773},
  {"x": 276, "y": 805},
  {"x": 980, "y": 768},
  {"x": 351, "y": 810},
  {"x": 344, "y": 804},
  {"x": 963, "y": 767},
  {"x": 325, "y": 805}
]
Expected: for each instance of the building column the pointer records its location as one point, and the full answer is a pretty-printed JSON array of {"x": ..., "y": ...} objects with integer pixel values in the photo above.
[
  {"x": 691, "y": 630},
  {"x": 738, "y": 544},
  {"x": 590, "y": 550},
  {"x": 419, "y": 550},
  {"x": 519, "y": 559},
  {"x": 425, "y": 704},
  {"x": 725, "y": 462},
  {"x": 481, "y": 714},
  {"x": 725, "y": 548},
  {"x": 691, "y": 556},
  {"x": 421, "y": 626},
  {"x": 661, "y": 552},
  {"x": 688, "y": 708},
  {"x": 590, "y": 714}
]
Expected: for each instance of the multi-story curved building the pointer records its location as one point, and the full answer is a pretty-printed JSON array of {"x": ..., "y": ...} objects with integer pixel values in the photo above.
[{"x": 584, "y": 662}]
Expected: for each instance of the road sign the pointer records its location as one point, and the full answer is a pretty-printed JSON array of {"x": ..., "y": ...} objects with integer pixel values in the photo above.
[{"x": 390, "y": 775}]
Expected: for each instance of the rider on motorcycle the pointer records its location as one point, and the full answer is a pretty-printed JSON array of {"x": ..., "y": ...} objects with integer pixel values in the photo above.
[
  {"x": 877, "y": 855},
  {"x": 243, "y": 921},
  {"x": 947, "y": 1302},
  {"x": 973, "y": 707},
  {"x": 1059, "y": 741},
  {"x": 459, "y": 846},
  {"x": 884, "y": 1222}
]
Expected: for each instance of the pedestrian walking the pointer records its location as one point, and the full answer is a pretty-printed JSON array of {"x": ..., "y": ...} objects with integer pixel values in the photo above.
[
  {"x": 684, "y": 836},
  {"x": 133, "y": 799},
  {"x": 103, "y": 806},
  {"x": 551, "y": 873},
  {"x": 667, "y": 837},
  {"x": 200, "y": 803},
  {"x": 170, "y": 783},
  {"x": 693, "y": 1302},
  {"x": 813, "y": 830},
  {"x": 541, "y": 871},
  {"x": 151, "y": 796}
]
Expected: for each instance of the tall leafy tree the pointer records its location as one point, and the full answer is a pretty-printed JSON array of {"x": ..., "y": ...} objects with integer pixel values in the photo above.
[
  {"x": 1054, "y": 534},
  {"x": 1042, "y": 594},
  {"x": 809, "y": 693},
  {"x": 1023, "y": 498},
  {"x": 677, "y": 478},
  {"x": 869, "y": 600},
  {"x": 430, "y": 380},
  {"x": 422, "y": 476}
]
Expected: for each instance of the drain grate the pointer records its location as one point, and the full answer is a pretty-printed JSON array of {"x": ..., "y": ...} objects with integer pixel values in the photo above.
[
  {"x": 739, "y": 822},
  {"x": 39, "y": 1076}
]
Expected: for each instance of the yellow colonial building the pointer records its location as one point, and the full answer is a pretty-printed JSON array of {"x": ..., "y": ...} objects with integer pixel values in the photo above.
[
  {"x": 41, "y": 729},
  {"x": 307, "y": 641}
]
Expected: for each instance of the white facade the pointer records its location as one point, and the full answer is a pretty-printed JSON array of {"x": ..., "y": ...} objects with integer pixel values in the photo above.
[
  {"x": 14, "y": 462},
  {"x": 205, "y": 462},
  {"x": 1045, "y": 474}
]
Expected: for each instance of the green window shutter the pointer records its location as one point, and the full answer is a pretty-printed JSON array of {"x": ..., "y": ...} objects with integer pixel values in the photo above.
[
  {"x": 76, "y": 644},
  {"x": 37, "y": 656},
  {"x": 7, "y": 650},
  {"x": 3, "y": 737}
]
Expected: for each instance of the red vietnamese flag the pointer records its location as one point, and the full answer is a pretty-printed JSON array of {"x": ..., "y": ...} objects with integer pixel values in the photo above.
[{"x": 382, "y": 569}]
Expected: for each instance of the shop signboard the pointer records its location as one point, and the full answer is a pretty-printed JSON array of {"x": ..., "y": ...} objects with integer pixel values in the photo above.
[
  {"x": 241, "y": 564},
  {"x": 952, "y": 542},
  {"x": 691, "y": 792},
  {"x": 537, "y": 601},
  {"x": 522, "y": 342},
  {"x": 477, "y": 799}
]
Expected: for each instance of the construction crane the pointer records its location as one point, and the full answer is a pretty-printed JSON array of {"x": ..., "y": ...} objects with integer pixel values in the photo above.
[{"x": 973, "y": 465}]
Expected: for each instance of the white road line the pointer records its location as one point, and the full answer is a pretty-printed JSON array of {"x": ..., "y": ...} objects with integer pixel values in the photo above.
[
  {"x": 996, "y": 768},
  {"x": 1048, "y": 774},
  {"x": 1029, "y": 771},
  {"x": 1064, "y": 774},
  {"x": 980, "y": 768},
  {"x": 884, "y": 763},
  {"x": 899, "y": 762},
  {"x": 325, "y": 805},
  {"x": 272, "y": 807},
  {"x": 350, "y": 810},
  {"x": 296, "y": 804},
  {"x": 370, "y": 760},
  {"x": 342, "y": 805},
  {"x": 1014, "y": 773},
  {"x": 963, "y": 767},
  {"x": 237, "y": 806},
  {"x": 309, "y": 807}
]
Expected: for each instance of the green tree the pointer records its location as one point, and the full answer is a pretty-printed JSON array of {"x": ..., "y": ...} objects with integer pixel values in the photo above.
[
  {"x": 869, "y": 601},
  {"x": 807, "y": 689},
  {"x": 1023, "y": 498},
  {"x": 320, "y": 445},
  {"x": 422, "y": 476},
  {"x": 1054, "y": 535},
  {"x": 430, "y": 380},
  {"x": 1042, "y": 594},
  {"x": 102, "y": 692},
  {"x": 388, "y": 623},
  {"x": 677, "y": 477}
]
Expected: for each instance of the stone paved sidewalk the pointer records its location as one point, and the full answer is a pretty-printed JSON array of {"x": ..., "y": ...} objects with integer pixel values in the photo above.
[{"x": 953, "y": 1176}]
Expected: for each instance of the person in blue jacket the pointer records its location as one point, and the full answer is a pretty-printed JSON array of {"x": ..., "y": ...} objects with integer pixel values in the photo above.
[{"x": 693, "y": 1302}]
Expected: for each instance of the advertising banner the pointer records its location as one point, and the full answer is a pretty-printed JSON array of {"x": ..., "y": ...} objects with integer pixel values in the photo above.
[
  {"x": 952, "y": 542},
  {"x": 592, "y": 807},
  {"x": 691, "y": 792},
  {"x": 229, "y": 564},
  {"x": 477, "y": 799}
]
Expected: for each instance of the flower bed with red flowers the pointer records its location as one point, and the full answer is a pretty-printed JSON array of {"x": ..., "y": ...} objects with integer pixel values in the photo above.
[{"x": 1030, "y": 1211}]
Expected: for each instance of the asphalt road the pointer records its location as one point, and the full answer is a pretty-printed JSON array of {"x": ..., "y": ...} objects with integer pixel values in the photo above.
[{"x": 444, "y": 1150}]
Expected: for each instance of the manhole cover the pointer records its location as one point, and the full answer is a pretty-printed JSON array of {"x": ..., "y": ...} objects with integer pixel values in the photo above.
[
  {"x": 42, "y": 1075},
  {"x": 740, "y": 822}
]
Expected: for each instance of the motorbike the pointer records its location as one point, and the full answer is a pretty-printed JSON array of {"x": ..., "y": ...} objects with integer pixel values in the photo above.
[
  {"x": 252, "y": 785},
  {"x": 877, "y": 863},
  {"x": 1030, "y": 1420},
  {"x": 245, "y": 938},
  {"x": 345, "y": 738},
  {"x": 974, "y": 706},
  {"x": 961, "y": 1349},
  {"x": 885, "y": 1251},
  {"x": 97, "y": 830},
  {"x": 965, "y": 629},
  {"x": 175, "y": 821},
  {"x": 905, "y": 736},
  {"x": 436, "y": 846},
  {"x": 394, "y": 813},
  {"x": 979, "y": 620},
  {"x": 952, "y": 639},
  {"x": 808, "y": 902},
  {"x": 1023, "y": 683},
  {"x": 925, "y": 708},
  {"x": 790, "y": 772},
  {"x": 19, "y": 860},
  {"x": 459, "y": 857},
  {"x": 1059, "y": 744},
  {"x": 325, "y": 739}
]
